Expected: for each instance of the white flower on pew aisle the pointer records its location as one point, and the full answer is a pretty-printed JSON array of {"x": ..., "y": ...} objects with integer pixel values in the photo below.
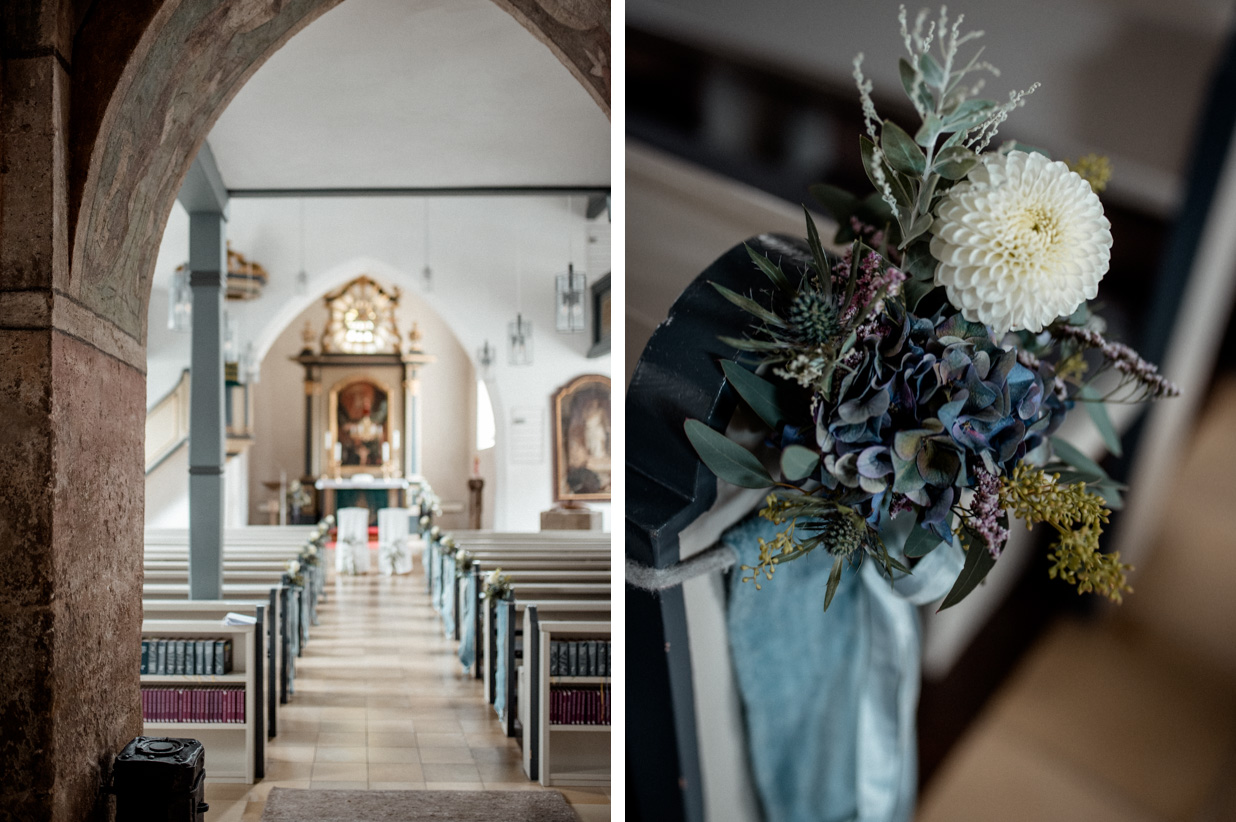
[
  {"x": 434, "y": 532},
  {"x": 292, "y": 573},
  {"x": 497, "y": 586},
  {"x": 1021, "y": 241}
]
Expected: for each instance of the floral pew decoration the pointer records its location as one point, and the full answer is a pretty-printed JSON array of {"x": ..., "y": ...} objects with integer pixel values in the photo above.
[{"x": 927, "y": 369}]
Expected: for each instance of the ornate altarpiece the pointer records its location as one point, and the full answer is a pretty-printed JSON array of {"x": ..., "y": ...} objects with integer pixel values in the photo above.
[{"x": 362, "y": 404}]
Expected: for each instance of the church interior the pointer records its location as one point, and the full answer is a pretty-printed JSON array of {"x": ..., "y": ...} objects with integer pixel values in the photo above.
[{"x": 344, "y": 269}]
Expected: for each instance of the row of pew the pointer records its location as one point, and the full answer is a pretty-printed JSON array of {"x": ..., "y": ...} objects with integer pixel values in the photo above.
[
  {"x": 257, "y": 583},
  {"x": 556, "y": 585}
]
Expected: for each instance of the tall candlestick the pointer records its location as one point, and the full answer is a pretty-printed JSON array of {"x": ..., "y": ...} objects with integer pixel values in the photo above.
[
  {"x": 386, "y": 452},
  {"x": 338, "y": 452},
  {"x": 328, "y": 440},
  {"x": 395, "y": 438}
]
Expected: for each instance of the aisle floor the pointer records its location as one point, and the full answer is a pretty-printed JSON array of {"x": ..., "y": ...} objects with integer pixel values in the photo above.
[{"x": 382, "y": 703}]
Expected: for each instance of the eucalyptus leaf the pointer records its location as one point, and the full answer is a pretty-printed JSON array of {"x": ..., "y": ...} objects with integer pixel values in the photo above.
[
  {"x": 726, "y": 458},
  {"x": 907, "y": 76},
  {"x": 979, "y": 562},
  {"x": 915, "y": 290},
  {"x": 901, "y": 151},
  {"x": 1068, "y": 452},
  {"x": 921, "y": 224},
  {"x": 752, "y": 345},
  {"x": 749, "y": 305},
  {"x": 933, "y": 73},
  {"x": 839, "y": 203},
  {"x": 918, "y": 262},
  {"x": 968, "y": 115},
  {"x": 834, "y": 579},
  {"x": 955, "y": 162},
  {"x": 928, "y": 131},
  {"x": 1099, "y": 416},
  {"x": 773, "y": 272},
  {"x": 798, "y": 461},
  {"x": 757, "y": 392},
  {"x": 921, "y": 542}
]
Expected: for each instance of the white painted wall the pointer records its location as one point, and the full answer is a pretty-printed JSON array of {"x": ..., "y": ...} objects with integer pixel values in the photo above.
[{"x": 489, "y": 256}]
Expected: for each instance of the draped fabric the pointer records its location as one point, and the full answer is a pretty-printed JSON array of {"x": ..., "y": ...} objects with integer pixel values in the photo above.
[
  {"x": 502, "y": 612},
  {"x": 393, "y": 554},
  {"x": 448, "y": 596},
  {"x": 435, "y": 577},
  {"x": 467, "y": 628},
  {"x": 352, "y": 546},
  {"x": 830, "y": 697}
]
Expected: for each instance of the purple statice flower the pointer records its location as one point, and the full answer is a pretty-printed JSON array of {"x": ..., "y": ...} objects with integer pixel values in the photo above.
[{"x": 985, "y": 512}]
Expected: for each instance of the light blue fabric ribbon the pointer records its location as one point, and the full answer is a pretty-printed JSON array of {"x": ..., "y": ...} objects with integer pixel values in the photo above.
[
  {"x": 467, "y": 633},
  {"x": 448, "y": 596},
  {"x": 501, "y": 615},
  {"x": 426, "y": 564},
  {"x": 830, "y": 698}
]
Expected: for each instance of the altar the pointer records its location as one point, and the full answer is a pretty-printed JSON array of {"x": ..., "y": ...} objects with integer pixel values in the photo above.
[
  {"x": 376, "y": 493},
  {"x": 362, "y": 404}
]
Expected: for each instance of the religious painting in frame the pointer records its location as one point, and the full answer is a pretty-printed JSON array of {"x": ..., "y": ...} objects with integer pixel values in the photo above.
[
  {"x": 582, "y": 458},
  {"x": 360, "y": 423}
]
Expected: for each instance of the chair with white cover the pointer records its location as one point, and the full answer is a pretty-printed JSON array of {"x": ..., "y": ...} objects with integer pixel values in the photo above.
[
  {"x": 393, "y": 554},
  {"x": 352, "y": 548}
]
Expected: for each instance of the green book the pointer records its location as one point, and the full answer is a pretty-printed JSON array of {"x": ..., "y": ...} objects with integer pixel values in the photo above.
[{"x": 145, "y": 656}]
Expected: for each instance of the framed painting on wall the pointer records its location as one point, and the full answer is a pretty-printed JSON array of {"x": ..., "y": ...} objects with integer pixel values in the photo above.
[
  {"x": 582, "y": 440},
  {"x": 359, "y": 414}
]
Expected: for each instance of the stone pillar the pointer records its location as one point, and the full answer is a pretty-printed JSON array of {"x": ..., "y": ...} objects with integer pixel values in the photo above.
[
  {"x": 207, "y": 277},
  {"x": 411, "y": 424},
  {"x": 72, "y": 390}
]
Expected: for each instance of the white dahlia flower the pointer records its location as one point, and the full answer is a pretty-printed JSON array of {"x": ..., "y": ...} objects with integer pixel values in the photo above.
[{"x": 1021, "y": 241}]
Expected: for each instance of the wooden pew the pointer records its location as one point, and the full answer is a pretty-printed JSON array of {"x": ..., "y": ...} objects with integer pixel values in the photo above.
[
  {"x": 265, "y": 698},
  {"x": 560, "y": 754},
  {"x": 530, "y": 591},
  {"x": 283, "y": 631}
]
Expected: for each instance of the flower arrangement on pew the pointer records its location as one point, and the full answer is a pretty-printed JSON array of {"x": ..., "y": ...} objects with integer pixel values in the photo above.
[
  {"x": 464, "y": 560},
  {"x": 497, "y": 586},
  {"x": 293, "y": 574},
  {"x": 926, "y": 370}
]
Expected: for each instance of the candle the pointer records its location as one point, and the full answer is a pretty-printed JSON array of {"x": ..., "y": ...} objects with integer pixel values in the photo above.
[
  {"x": 328, "y": 440},
  {"x": 395, "y": 437},
  {"x": 338, "y": 452},
  {"x": 386, "y": 452}
]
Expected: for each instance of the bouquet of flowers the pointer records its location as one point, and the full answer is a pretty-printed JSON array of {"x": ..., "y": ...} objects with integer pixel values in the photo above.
[
  {"x": 925, "y": 371},
  {"x": 464, "y": 560},
  {"x": 497, "y": 586},
  {"x": 292, "y": 574}
]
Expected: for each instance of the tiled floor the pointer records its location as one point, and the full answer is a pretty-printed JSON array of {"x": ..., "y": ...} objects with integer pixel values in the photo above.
[{"x": 382, "y": 703}]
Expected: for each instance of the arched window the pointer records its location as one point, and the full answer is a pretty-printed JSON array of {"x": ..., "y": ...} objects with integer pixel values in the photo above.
[{"x": 486, "y": 428}]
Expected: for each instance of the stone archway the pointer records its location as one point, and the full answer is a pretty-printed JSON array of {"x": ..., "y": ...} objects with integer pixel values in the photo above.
[{"x": 103, "y": 105}]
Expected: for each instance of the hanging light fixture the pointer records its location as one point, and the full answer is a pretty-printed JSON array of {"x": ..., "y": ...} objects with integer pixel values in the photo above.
[
  {"x": 427, "y": 274},
  {"x": 302, "y": 276},
  {"x": 180, "y": 301},
  {"x": 485, "y": 356},
  {"x": 569, "y": 293},
  {"x": 519, "y": 333},
  {"x": 570, "y": 301}
]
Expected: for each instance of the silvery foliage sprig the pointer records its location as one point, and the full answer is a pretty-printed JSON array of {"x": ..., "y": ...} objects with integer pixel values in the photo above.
[{"x": 910, "y": 173}]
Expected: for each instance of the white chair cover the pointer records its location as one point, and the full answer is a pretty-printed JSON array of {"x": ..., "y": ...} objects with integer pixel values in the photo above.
[
  {"x": 393, "y": 554},
  {"x": 352, "y": 549}
]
